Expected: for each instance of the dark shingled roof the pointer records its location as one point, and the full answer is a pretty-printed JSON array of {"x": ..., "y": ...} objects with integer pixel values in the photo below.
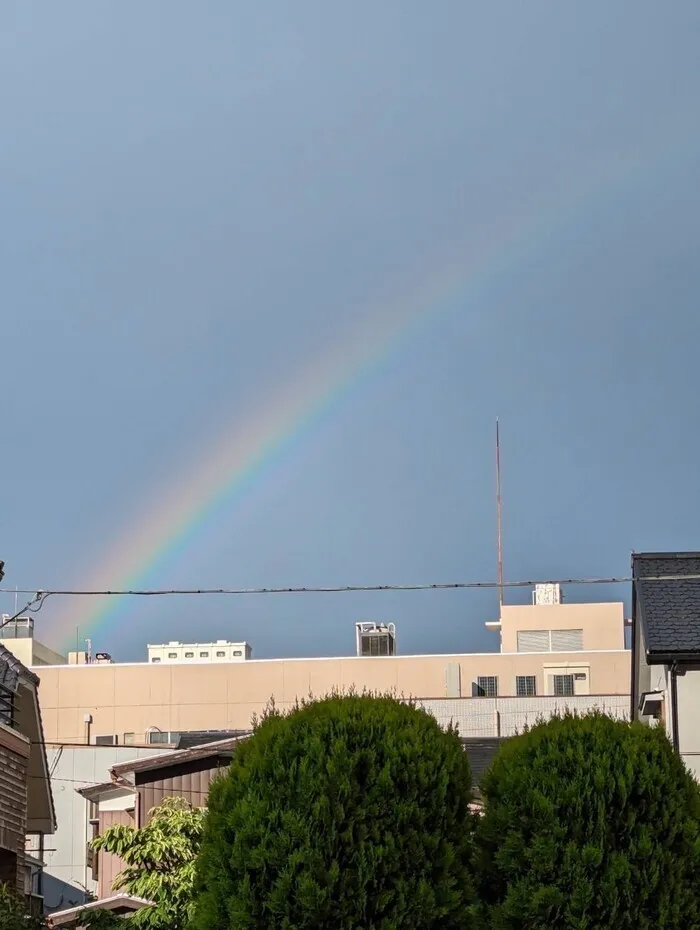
[
  {"x": 669, "y": 610},
  {"x": 13, "y": 671}
]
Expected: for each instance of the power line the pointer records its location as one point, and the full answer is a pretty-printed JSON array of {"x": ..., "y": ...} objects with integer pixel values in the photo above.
[
  {"x": 38, "y": 598},
  {"x": 340, "y": 589}
]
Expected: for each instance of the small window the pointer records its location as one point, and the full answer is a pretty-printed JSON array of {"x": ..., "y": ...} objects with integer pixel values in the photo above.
[
  {"x": 162, "y": 736},
  {"x": 563, "y": 685},
  {"x": 189, "y": 655},
  {"x": 105, "y": 741},
  {"x": 486, "y": 686},
  {"x": 203, "y": 655},
  {"x": 221, "y": 654},
  {"x": 237, "y": 652},
  {"x": 526, "y": 686},
  {"x": 532, "y": 640},
  {"x": 155, "y": 659},
  {"x": 129, "y": 739},
  {"x": 567, "y": 640},
  {"x": 172, "y": 655}
]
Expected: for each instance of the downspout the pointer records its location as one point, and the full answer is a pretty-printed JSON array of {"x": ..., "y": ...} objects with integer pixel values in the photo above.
[
  {"x": 634, "y": 697},
  {"x": 674, "y": 707}
]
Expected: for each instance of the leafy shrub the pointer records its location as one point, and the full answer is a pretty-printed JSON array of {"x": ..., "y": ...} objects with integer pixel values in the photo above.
[
  {"x": 351, "y": 812},
  {"x": 589, "y": 823},
  {"x": 13, "y": 915},
  {"x": 159, "y": 864}
]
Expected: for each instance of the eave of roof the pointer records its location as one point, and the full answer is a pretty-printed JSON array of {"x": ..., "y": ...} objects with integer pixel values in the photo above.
[
  {"x": 19, "y": 667},
  {"x": 178, "y": 757}
]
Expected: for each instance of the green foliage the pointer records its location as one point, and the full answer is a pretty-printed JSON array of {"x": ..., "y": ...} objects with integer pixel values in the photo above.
[
  {"x": 160, "y": 863},
  {"x": 105, "y": 920},
  {"x": 13, "y": 913},
  {"x": 351, "y": 812},
  {"x": 589, "y": 823}
]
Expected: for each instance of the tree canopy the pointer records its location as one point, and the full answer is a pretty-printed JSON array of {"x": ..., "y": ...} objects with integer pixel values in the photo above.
[
  {"x": 349, "y": 812},
  {"x": 589, "y": 823},
  {"x": 159, "y": 863}
]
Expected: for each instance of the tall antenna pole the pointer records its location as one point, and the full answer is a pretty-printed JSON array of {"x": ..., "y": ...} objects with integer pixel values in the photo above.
[{"x": 498, "y": 517}]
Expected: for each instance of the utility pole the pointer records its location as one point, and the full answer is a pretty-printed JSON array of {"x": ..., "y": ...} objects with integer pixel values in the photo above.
[{"x": 499, "y": 527}]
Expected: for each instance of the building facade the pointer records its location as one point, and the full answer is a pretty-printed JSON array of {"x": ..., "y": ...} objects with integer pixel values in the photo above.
[
  {"x": 198, "y": 653},
  {"x": 665, "y": 680},
  {"x": 547, "y": 650},
  {"x": 68, "y": 874},
  {"x": 26, "y": 803},
  {"x": 17, "y": 636}
]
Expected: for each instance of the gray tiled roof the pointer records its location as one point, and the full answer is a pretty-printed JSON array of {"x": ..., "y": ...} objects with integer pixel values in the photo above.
[
  {"x": 669, "y": 610},
  {"x": 14, "y": 670}
]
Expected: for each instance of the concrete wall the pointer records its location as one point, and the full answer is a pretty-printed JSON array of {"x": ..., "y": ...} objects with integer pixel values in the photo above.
[
  {"x": 31, "y": 653},
  {"x": 603, "y": 625},
  {"x": 133, "y": 698},
  {"x": 66, "y": 877}
]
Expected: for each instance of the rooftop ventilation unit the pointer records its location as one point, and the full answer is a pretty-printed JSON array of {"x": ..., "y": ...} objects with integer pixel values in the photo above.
[
  {"x": 375, "y": 639},
  {"x": 547, "y": 594}
]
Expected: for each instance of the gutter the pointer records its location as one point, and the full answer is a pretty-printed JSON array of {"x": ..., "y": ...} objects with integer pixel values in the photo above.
[
  {"x": 673, "y": 658},
  {"x": 674, "y": 706}
]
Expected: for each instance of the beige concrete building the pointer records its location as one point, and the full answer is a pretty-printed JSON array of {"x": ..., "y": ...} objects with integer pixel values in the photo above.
[
  {"x": 17, "y": 636},
  {"x": 573, "y": 653}
]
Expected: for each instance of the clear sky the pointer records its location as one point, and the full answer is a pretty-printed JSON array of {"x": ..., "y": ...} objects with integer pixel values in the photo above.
[{"x": 201, "y": 202}]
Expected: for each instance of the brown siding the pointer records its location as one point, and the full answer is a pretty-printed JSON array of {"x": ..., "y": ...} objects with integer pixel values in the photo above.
[
  {"x": 190, "y": 781},
  {"x": 109, "y": 865},
  {"x": 13, "y": 803}
]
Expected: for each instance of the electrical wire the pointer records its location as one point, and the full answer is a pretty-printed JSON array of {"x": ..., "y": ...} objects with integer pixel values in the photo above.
[
  {"x": 339, "y": 589},
  {"x": 38, "y": 598}
]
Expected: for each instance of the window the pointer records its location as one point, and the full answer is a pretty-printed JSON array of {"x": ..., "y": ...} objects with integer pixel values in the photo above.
[
  {"x": 155, "y": 659},
  {"x": 563, "y": 685},
  {"x": 106, "y": 740},
  {"x": 533, "y": 640},
  {"x": 549, "y": 640},
  {"x": 237, "y": 652},
  {"x": 203, "y": 655},
  {"x": 162, "y": 736},
  {"x": 526, "y": 686},
  {"x": 172, "y": 655},
  {"x": 567, "y": 640},
  {"x": 486, "y": 686},
  {"x": 189, "y": 655},
  {"x": 128, "y": 739},
  {"x": 221, "y": 654}
]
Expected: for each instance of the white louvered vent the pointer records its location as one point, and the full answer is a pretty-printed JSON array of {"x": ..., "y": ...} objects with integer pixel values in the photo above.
[
  {"x": 567, "y": 640},
  {"x": 533, "y": 640}
]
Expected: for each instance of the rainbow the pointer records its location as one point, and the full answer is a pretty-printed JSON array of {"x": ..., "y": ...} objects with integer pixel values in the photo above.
[{"x": 230, "y": 469}]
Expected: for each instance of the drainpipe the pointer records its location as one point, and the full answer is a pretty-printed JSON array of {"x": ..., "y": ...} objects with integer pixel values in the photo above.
[{"x": 674, "y": 707}]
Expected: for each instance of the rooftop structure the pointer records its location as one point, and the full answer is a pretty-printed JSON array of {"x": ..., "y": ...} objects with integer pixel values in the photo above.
[
  {"x": 17, "y": 636},
  {"x": 219, "y": 651},
  {"x": 375, "y": 639}
]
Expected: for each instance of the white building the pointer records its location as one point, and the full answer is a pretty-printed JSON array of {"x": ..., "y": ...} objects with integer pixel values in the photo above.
[
  {"x": 220, "y": 651},
  {"x": 67, "y": 878}
]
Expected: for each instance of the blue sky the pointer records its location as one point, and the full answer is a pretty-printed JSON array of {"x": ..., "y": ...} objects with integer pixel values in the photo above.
[{"x": 196, "y": 205}]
